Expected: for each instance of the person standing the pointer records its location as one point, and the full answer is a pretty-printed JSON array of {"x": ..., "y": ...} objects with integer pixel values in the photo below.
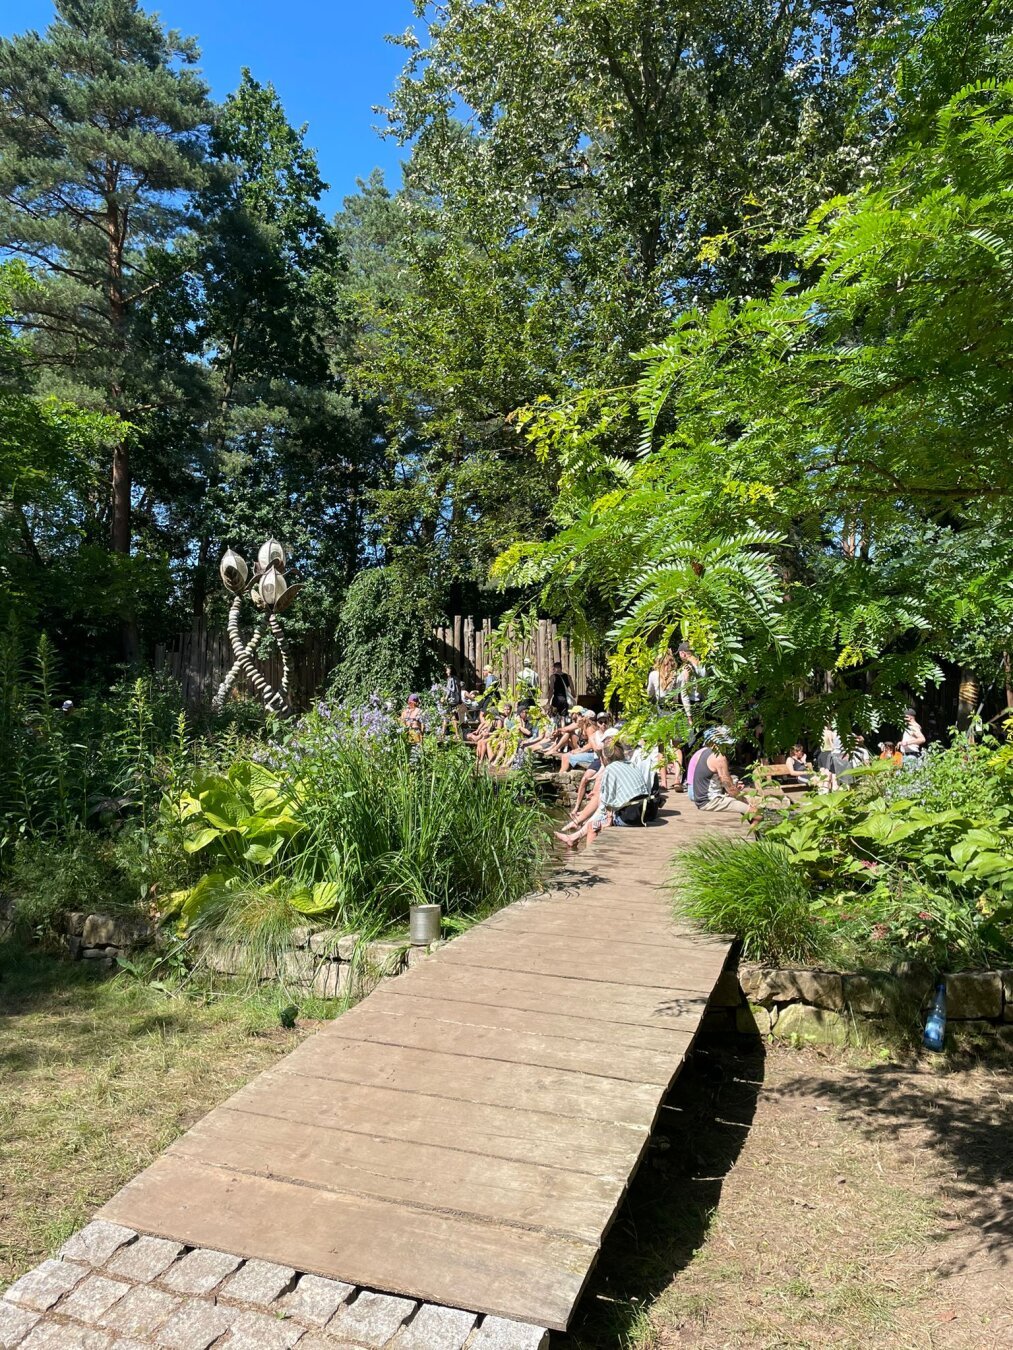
[
  {"x": 912, "y": 742},
  {"x": 561, "y": 692}
]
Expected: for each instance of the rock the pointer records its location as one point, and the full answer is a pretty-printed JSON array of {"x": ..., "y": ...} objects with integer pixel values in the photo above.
[
  {"x": 315, "y": 1300},
  {"x": 886, "y": 992},
  {"x": 300, "y": 937},
  {"x": 385, "y": 958},
  {"x": 200, "y": 1271},
  {"x": 141, "y": 1312},
  {"x": 751, "y": 1019},
  {"x": 15, "y": 1323},
  {"x": 145, "y": 1259},
  {"x": 499, "y": 1333},
  {"x": 332, "y": 980},
  {"x": 435, "y": 1328},
  {"x": 195, "y": 1325},
  {"x": 347, "y": 944},
  {"x": 298, "y": 967},
  {"x": 96, "y": 1242},
  {"x": 818, "y": 988},
  {"x": 726, "y": 993},
  {"x": 74, "y": 946},
  {"x": 819, "y": 1025},
  {"x": 46, "y": 1284},
  {"x": 106, "y": 930},
  {"x": 75, "y": 924},
  {"x": 260, "y": 1331},
  {"x": 416, "y": 955},
  {"x": 1007, "y": 995},
  {"x": 93, "y": 1298},
  {"x": 372, "y": 1319},
  {"x": 224, "y": 958},
  {"x": 65, "y": 1336},
  {"x": 974, "y": 994},
  {"x": 98, "y": 954},
  {"x": 259, "y": 1282},
  {"x": 325, "y": 943}
]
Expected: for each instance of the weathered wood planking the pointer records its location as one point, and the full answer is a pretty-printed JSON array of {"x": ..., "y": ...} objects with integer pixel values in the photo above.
[{"x": 467, "y": 1133}]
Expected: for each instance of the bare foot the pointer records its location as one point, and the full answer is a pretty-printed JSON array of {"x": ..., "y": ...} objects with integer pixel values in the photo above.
[{"x": 566, "y": 839}]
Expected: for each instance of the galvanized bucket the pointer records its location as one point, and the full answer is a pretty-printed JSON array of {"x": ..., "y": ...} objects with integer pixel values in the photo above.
[{"x": 423, "y": 925}]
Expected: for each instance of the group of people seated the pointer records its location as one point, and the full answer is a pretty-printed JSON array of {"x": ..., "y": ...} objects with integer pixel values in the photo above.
[{"x": 619, "y": 783}]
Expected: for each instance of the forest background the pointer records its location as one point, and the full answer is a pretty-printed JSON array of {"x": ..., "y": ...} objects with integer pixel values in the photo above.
[{"x": 686, "y": 321}]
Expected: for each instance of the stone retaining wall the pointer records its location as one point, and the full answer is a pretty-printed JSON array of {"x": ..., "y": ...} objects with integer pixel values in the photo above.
[
  {"x": 832, "y": 1007},
  {"x": 324, "y": 962}
]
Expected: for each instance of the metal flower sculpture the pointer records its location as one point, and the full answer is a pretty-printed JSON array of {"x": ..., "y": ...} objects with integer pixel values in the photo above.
[{"x": 271, "y": 594}]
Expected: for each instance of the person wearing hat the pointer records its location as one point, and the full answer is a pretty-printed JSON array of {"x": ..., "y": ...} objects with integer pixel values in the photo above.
[{"x": 714, "y": 788}]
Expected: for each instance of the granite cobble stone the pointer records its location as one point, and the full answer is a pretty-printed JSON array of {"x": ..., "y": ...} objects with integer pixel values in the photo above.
[
  {"x": 141, "y": 1312},
  {"x": 200, "y": 1271},
  {"x": 435, "y": 1328},
  {"x": 259, "y": 1282},
  {"x": 15, "y": 1324},
  {"x": 195, "y": 1325},
  {"x": 57, "y": 1336},
  {"x": 316, "y": 1300},
  {"x": 372, "y": 1319},
  {"x": 261, "y": 1331},
  {"x": 501, "y": 1333},
  {"x": 93, "y": 1298},
  {"x": 145, "y": 1259},
  {"x": 46, "y": 1284},
  {"x": 96, "y": 1242}
]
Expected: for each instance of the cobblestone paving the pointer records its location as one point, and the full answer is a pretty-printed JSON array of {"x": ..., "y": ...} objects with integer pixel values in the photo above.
[{"x": 111, "y": 1289}]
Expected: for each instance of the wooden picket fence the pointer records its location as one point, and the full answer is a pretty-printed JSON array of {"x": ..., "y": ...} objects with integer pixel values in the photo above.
[{"x": 201, "y": 658}]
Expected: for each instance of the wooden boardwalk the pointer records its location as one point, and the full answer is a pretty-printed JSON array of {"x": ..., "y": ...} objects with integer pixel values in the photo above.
[{"x": 466, "y": 1134}]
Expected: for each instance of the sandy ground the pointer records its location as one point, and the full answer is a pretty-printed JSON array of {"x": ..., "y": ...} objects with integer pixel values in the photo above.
[{"x": 799, "y": 1198}]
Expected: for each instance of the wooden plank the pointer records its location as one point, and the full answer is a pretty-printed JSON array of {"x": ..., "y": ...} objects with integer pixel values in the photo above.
[
  {"x": 593, "y": 960},
  {"x": 567, "y": 1204},
  {"x": 611, "y": 1003},
  {"x": 461, "y": 1078},
  {"x": 406, "y": 1027},
  {"x": 587, "y": 1147},
  {"x": 402, "y": 996},
  {"x": 491, "y": 1268}
]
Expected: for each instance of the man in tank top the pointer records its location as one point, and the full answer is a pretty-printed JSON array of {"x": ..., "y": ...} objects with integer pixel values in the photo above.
[{"x": 714, "y": 788}]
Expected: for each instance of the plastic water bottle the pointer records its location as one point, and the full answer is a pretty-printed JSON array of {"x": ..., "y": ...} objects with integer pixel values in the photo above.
[{"x": 935, "y": 1023}]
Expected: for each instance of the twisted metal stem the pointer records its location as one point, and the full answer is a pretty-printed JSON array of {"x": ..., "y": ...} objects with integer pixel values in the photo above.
[
  {"x": 274, "y": 623},
  {"x": 274, "y": 700},
  {"x": 224, "y": 689}
]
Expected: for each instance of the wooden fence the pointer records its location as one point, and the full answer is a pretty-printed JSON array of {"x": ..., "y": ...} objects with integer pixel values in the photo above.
[
  {"x": 469, "y": 647},
  {"x": 201, "y": 658}
]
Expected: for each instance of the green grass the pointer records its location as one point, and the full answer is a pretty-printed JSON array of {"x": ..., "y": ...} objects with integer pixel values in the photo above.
[
  {"x": 98, "y": 1075},
  {"x": 752, "y": 890}
]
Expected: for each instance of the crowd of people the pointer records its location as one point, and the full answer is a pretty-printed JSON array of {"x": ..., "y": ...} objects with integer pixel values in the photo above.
[{"x": 622, "y": 783}]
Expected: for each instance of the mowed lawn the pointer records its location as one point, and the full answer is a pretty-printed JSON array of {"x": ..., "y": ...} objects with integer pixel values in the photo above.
[{"x": 97, "y": 1075}]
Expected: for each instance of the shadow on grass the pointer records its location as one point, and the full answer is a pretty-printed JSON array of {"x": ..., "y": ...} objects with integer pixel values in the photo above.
[
  {"x": 700, "y": 1132},
  {"x": 30, "y": 979},
  {"x": 969, "y": 1138}
]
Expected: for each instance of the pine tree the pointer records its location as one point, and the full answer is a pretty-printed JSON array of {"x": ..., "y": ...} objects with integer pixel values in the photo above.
[{"x": 104, "y": 129}]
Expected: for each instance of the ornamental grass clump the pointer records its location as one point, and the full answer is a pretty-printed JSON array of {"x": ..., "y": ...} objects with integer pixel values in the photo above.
[{"x": 751, "y": 889}]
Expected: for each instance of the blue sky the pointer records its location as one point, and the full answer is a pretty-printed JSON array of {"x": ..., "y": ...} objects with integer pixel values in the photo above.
[{"x": 327, "y": 59}]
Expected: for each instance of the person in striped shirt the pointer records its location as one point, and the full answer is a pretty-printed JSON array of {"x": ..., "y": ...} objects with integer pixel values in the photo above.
[{"x": 620, "y": 782}]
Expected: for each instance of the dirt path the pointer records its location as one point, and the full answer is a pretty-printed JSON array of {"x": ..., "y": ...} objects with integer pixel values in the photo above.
[{"x": 833, "y": 1202}]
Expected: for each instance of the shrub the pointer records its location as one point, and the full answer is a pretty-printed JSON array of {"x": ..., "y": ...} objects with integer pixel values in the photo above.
[
  {"x": 386, "y": 635},
  {"x": 751, "y": 889},
  {"x": 82, "y": 871}
]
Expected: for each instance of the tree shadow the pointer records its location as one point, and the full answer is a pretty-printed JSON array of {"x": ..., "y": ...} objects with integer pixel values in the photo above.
[
  {"x": 701, "y": 1129},
  {"x": 971, "y": 1139}
]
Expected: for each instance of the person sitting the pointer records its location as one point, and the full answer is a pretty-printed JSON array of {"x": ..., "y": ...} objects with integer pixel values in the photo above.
[
  {"x": 797, "y": 763},
  {"x": 889, "y": 751},
  {"x": 619, "y": 784},
  {"x": 587, "y": 754},
  {"x": 479, "y": 738},
  {"x": 714, "y": 788}
]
